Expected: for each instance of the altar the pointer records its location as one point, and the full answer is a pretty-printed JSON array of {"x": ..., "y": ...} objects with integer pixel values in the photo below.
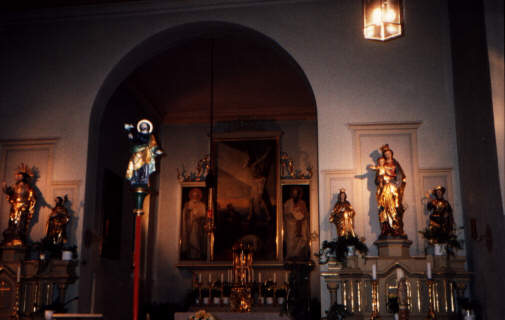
[{"x": 237, "y": 316}]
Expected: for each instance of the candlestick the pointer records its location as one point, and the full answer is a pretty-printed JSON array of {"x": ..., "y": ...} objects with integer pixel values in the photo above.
[
  {"x": 428, "y": 270},
  {"x": 431, "y": 312},
  {"x": 375, "y": 309},
  {"x": 399, "y": 274},
  {"x": 374, "y": 271}
]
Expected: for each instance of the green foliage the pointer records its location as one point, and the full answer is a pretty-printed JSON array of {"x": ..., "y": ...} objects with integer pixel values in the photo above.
[
  {"x": 437, "y": 236},
  {"x": 338, "y": 248},
  {"x": 337, "y": 312},
  {"x": 280, "y": 293}
]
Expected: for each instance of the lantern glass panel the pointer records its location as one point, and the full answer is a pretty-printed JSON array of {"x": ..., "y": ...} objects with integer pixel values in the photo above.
[{"x": 382, "y": 19}]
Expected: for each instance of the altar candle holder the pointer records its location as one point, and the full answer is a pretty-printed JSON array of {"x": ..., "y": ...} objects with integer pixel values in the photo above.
[
  {"x": 431, "y": 313},
  {"x": 15, "y": 307},
  {"x": 375, "y": 309}
]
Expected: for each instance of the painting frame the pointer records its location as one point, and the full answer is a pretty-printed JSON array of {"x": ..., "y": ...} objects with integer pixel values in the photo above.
[
  {"x": 193, "y": 238},
  {"x": 248, "y": 195},
  {"x": 293, "y": 251}
]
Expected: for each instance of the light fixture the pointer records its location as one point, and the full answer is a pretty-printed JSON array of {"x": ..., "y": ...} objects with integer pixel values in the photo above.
[{"x": 382, "y": 19}]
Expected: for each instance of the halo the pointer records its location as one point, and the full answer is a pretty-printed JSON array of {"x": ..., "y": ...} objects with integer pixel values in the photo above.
[{"x": 145, "y": 121}]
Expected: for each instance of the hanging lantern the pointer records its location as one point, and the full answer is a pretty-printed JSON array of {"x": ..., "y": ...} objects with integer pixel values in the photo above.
[{"x": 382, "y": 19}]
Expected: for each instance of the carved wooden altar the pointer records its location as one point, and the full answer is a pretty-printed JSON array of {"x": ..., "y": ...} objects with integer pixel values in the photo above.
[
  {"x": 350, "y": 284},
  {"x": 28, "y": 286}
]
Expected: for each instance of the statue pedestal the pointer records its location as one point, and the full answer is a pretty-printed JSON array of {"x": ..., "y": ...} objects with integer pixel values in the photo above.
[
  {"x": 12, "y": 254},
  {"x": 393, "y": 247}
]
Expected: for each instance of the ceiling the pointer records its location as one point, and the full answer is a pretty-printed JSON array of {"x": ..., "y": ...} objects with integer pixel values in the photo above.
[{"x": 252, "y": 79}]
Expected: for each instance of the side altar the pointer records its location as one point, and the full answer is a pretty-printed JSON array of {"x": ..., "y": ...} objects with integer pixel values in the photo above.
[
  {"x": 431, "y": 283},
  {"x": 394, "y": 284}
]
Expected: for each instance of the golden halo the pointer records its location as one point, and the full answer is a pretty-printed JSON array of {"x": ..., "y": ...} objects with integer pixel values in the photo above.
[{"x": 145, "y": 121}]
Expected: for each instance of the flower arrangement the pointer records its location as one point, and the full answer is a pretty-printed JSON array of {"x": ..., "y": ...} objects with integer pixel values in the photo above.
[
  {"x": 338, "y": 248},
  {"x": 202, "y": 315},
  {"x": 437, "y": 236}
]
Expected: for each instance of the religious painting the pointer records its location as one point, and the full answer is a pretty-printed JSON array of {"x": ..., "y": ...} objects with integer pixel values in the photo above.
[
  {"x": 296, "y": 219},
  {"x": 193, "y": 219},
  {"x": 246, "y": 197}
]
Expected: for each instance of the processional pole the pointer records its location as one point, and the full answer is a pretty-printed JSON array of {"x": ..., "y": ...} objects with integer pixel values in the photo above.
[
  {"x": 210, "y": 180},
  {"x": 141, "y": 165}
]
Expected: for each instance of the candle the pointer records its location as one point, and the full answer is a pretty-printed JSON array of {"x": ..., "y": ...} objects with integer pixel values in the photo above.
[
  {"x": 399, "y": 273},
  {"x": 222, "y": 277},
  {"x": 275, "y": 277},
  {"x": 18, "y": 275},
  {"x": 199, "y": 278},
  {"x": 374, "y": 271},
  {"x": 428, "y": 270},
  {"x": 259, "y": 277}
]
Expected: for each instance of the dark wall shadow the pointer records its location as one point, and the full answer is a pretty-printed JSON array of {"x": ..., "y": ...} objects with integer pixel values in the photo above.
[
  {"x": 39, "y": 204},
  {"x": 373, "y": 217}
]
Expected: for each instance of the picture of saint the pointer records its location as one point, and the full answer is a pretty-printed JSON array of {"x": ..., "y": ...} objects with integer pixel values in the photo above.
[
  {"x": 246, "y": 196},
  {"x": 296, "y": 223},
  {"x": 194, "y": 240}
]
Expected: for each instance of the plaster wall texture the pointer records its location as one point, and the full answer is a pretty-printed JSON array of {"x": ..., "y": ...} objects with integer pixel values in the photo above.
[
  {"x": 53, "y": 69},
  {"x": 495, "y": 40}
]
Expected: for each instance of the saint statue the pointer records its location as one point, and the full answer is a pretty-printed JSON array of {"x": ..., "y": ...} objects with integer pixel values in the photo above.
[
  {"x": 342, "y": 216},
  {"x": 194, "y": 215},
  {"x": 390, "y": 181},
  {"x": 441, "y": 218},
  {"x": 56, "y": 230},
  {"x": 21, "y": 197},
  {"x": 144, "y": 151},
  {"x": 296, "y": 220}
]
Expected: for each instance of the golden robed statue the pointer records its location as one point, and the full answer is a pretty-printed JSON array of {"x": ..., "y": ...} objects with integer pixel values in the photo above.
[
  {"x": 342, "y": 216},
  {"x": 390, "y": 181},
  {"x": 441, "y": 218},
  {"x": 21, "y": 197},
  {"x": 144, "y": 151},
  {"x": 56, "y": 230}
]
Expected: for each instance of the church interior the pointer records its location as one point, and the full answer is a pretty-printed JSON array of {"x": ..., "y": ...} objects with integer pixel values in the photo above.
[{"x": 245, "y": 159}]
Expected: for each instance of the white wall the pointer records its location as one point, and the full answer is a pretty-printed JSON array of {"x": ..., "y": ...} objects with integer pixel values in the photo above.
[{"x": 52, "y": 70}]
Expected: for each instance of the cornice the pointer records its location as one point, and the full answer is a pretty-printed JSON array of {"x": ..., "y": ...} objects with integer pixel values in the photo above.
[{"x": 131, "y": 9}]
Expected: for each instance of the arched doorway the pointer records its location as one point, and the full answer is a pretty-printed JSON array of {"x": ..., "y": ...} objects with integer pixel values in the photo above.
[{"x": 256, "y": 86}]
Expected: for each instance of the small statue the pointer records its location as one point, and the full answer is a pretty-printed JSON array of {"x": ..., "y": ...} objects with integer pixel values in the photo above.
[
  {"x": 203, "y": 167},
  {"x": 390, "y": 181},
  {"x": 441, "y": 218},
  {"x": 21, "y": 197},
  {"x": 56, "y": 230},
  {"x": 342, "y": 216},
  {"x": 144, "y": 151}
]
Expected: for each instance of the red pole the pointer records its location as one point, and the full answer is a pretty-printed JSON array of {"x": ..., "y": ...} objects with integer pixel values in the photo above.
[{"x": 136, "y": 266}]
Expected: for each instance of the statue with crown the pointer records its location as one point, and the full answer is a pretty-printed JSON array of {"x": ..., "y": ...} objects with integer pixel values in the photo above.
[{"x": 22, "y": 200}]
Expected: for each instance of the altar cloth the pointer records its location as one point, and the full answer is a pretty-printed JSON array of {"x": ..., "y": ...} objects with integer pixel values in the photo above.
[{"x": 237, "y": 316}]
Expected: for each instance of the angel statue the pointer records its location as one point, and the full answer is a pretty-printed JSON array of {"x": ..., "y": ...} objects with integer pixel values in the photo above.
[
  {"x": 56, "y": 233},
  {"x": 144, "y": 151},
  {"x": 21, "y": 197},
  {"x": 342, "y": 216}
]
